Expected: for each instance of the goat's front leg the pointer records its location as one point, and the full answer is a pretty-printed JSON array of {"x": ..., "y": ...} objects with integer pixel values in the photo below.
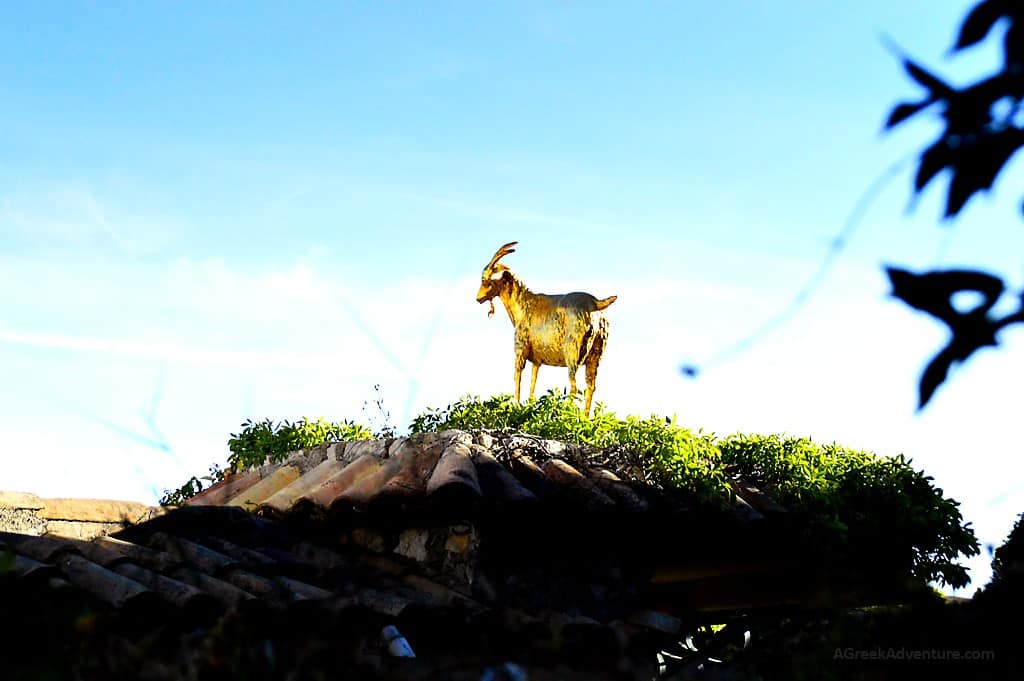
[
  {"x": 572, "y": 378},
  {"x": 533, "y": 379},
  {"x": 520, "y": 363}
]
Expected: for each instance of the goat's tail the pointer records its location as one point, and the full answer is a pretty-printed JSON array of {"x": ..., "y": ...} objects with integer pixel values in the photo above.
[{"x": 602, "y": 304}]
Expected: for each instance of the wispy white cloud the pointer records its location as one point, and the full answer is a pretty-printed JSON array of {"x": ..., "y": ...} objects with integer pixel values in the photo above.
[
  {"x": 174, "y": 353},
  {"x": 75, "y": 216}
]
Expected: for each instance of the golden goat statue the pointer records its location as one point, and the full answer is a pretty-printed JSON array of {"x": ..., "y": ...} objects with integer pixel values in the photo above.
[{"x": 562, "y": 331}]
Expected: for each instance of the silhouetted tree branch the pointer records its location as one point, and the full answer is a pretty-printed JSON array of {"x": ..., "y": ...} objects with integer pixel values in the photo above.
[{"x": 983, "y": 131}]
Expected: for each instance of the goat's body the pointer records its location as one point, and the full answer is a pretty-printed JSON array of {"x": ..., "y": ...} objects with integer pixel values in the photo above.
[
  {"x": 567, "y": 330},
  {"x": 557, "y": 330}
]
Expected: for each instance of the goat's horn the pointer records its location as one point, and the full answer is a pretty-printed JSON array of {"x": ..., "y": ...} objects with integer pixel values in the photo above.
[{"x": 502, "y": 252}]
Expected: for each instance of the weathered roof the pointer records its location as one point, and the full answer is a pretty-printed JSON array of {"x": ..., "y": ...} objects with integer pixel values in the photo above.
[
  {"x": 451, "y": 470},
  {"x": 510, "y": 532},
  {"x": 416, "y": 484}
]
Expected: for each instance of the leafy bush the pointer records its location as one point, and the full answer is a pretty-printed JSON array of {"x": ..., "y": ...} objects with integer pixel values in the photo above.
[
  {"x": 843, "y": 496},
  {"x": 654, "y": 449},
  {"x": 1006, "y": 590},
  {"x": 861, "y": 498},
  {"x": 262, "y": 441},
  {"x": 1009, "y": 558},
  {"x": 193, "y": 486}
]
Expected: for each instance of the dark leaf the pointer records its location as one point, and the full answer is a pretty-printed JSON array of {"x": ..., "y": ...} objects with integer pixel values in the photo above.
[
  {"x": 933, "y": 376},
  {"x": 933, "y": 160},
  {"x": 977, "y": 166},
  {"x": 905, "y": 111},
  {"x": 963, "y": 185},
  {"x": 934, "y": 84},
  {"x": 932, "y": 292},
  {"x": 979, "y": 22}
]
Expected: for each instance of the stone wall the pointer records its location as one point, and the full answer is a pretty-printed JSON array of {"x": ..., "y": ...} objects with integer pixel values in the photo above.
[{"x": 86, "y": 519}]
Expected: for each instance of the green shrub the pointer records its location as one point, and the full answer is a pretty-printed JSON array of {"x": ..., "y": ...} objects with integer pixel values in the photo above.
[
  {"x": 653, "y": 449},
  {"x": 857, "y": 497},
  {"x": 194, "y": 485},
  {"x": 1006, "y": 589},
  {"x": 842, "y": 497},
  {"x": 260, "y": 441}
]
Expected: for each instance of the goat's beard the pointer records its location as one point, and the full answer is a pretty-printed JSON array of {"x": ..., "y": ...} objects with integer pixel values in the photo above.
[{"x": 490, "y": 312}]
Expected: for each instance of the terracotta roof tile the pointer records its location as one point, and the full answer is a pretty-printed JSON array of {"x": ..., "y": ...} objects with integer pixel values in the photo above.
[
  {"x": 219, "y": 493},
  {"x": 186, "y": 551},
  {"x": 575, "y": 487},
  {"x": 368, "y": 485},
  {"x": 44, "y": 549},
  {"x": 744, "y": 511},
  {"x": 28, "y": 567},
  {"x": 241, "y": 554},
  {"x": 352, "y": 473},
  {"x": 377, "y": 449},
  {"x": 263, "y": 587},
  {"x": 286, "y": 497},
  {"x": 412, "y": 465},
  {"x": 97, "y": 553},
  {"x": 756, "y": 498},
  {"x": 143, "y": 555},
  {"x": 529, "y": 474},
  {"x": 108, "y": 586},
  {"x": 307, "y": 459},
  {"x": 256, "y": 494},
  {"x": 455, "y": 470},
  {"x": 496, "y": 482},
  {"x": 612, "y": 485},
  {"x": 171, "y": 590},
  {"x": 302, "y": 590},
  {"x": 322, "y": 558},
  {"x": 227, "y": 594}
]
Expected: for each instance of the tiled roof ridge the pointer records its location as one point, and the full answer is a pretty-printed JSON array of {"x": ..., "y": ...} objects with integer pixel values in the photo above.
[
  {"x": 464, "y": 468},
  {"x": 507, "y": 442}
]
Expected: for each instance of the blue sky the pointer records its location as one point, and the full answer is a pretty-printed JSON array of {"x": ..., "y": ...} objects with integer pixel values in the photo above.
[{"x": 210, "y": 212}]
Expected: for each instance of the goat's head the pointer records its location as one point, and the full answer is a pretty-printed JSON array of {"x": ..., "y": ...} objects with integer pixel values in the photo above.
[{"x": 493, "y": 274}]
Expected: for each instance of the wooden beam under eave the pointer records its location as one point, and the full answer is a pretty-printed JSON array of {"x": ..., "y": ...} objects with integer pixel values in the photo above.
[
  {"x": 734, "y": 593},
  {"x": 797, "y": 588},
  {"x": 676, "y": 573}
]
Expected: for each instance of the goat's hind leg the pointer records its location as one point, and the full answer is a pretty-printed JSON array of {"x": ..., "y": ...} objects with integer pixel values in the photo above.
[
  {"x": 533, "y": 378},
  {"x": 593, "y": 359},
  {"x": 573, "y": 368}
]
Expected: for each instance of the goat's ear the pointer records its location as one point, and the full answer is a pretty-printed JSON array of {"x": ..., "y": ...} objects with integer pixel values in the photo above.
[{"x": 496, "y": 276}]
